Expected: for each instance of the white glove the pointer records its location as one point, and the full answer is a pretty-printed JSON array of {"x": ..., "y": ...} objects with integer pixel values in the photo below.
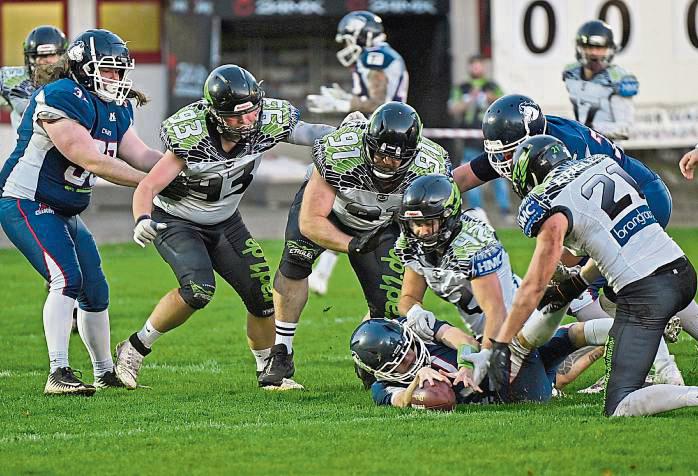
[
  {"x": 481, "y": 361},
  {"x": 355, "y": 116},
  {"x": 146, "y": 230},
  {"x": 324, "y": 103},
  {"x": 421, "y": 322},
  {"x": 336, "y": 92}
]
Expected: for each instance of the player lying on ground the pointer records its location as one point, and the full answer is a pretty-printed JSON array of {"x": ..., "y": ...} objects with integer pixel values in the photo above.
[
  {"x": 215, "y": 145},
  {"x": 400, "y": 361},
  {"x": 595, "y": 208},
  {"x": 361, "y": 172}
]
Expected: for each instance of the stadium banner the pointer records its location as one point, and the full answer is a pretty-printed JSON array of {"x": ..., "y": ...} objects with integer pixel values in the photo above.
[
  {"x": 533, "y": 40},
  {"x": 242, "y": 9},
  {"x": 188, "y": 57}
]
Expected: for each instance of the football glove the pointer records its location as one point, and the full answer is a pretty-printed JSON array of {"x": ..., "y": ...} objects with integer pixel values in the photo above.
[
  {"x": 421, "y": 322},
  {"x": 500, "y": 369},
  {"x": 481, "y": 363},
  {"x": 355, "y": 116},
  {"x": 559, "y": 295},
  {"x": 336, "y": 91},
  {"x": 324, "y": 103},
  {"x": 146, "y": 230},
  {"x": 176, "y": 190}
]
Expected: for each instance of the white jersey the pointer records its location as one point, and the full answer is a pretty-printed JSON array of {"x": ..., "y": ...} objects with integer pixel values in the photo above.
[
  {"x": 473, "y": 253},
  {"x": 609, "y": 219},
  {"x": 385, "y": 59},
  {"x": 604, "y": 102},
  {"x": 216, "y": 179}
]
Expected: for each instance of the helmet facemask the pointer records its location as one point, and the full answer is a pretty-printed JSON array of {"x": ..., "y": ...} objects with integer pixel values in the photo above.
[
  {"x": 500, "y": 155},
  {"x": 378, "y": 169},
  {"x": 350, "y": 35},
  {"x": 238, "y": 133},
  {"x": 596, "y": 63},
  {"x": 390, "y": 371},
  {"x": 443, "y": 223},
  {"x": 108, "y": 90},
  {"x": 30, "y": 60}
]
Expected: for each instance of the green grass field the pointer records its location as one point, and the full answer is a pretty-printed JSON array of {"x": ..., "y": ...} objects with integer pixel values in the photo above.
[{"x": 204, "y": 413}]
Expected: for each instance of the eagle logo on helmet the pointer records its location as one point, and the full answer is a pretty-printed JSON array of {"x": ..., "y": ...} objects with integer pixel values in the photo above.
[
  {"x": 77, "y": 51},
  {"x": 530, "y": 113}
]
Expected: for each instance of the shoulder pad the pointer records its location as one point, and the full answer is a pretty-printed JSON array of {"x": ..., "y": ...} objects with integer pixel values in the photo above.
[
  {"x": 476, "y": 250},
  {"x": 340, "y": 151},
  {"x": 279, "y": 118},
  {"x": 532, "y": 213},
  {"x": 66, "y": 98},
  {"x": 431, "y": 159},
  {"x": 628, "y": 86},
  {"x": 185, "y": 129},
  {"x": 376, "y": 58}
]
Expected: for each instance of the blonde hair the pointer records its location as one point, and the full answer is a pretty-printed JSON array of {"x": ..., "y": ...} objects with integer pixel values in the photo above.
[{"x": 61, "y": 69}]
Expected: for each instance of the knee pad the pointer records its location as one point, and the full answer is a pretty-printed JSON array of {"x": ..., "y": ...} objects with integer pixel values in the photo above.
[
  {"x": 95, "y": 296},
  {"x": 197, "y": 295},
  {"x": 67, "y": 282}
]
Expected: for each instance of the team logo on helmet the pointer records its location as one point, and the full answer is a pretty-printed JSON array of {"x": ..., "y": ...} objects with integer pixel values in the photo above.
[
  {"x": 530, "y": 112},
  {"x": 77, "y": 51}
]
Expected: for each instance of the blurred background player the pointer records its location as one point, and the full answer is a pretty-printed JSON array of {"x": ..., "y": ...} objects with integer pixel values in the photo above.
[
  {"x": 467, "y": 106},
  {"x": 601, "y": 92},
  {"x": 688, "y": 163},
  {"x": 72, "y": 131},
  {"x": 348, "y": 205},
  {"x": 649, "y": 273},
  {"x": 215, "y": 145},
  {"x": 43, "y": 47},
  {"x": 378, "y": 76}
]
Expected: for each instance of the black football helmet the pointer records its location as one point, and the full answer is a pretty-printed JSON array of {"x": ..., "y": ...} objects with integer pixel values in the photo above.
[
  {"x": 232, "y": 91},
  {"x": 379, "y": 346},
  {"x": 508, "y": 122},
  {"x": 595, "y": 33},
  {"x": 533, "y": 161},
  {"x": 394, "y": 131},
  {"x": 431, "y": 197},
  {"x": 95, "y": 49},
  {"x": 43, "y": 40},
  {"x": 356, "y": 31}
]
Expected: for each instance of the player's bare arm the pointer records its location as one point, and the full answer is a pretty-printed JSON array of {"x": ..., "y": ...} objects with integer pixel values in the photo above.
[
  {"x": 377, "y": 92},
  {"x": 688, "y": 163},
  {"x": 159, "y": 177},
  {"x": 545, "y": 257},
  {"x": 413, "y": 288},
  {"x": 488, "y": 293},
  {"x": 136, "y": 153},
  {"x": 465, "y": 178},
  {"x": 314, "y": 224},
  {"x": 76, "y": 144}
]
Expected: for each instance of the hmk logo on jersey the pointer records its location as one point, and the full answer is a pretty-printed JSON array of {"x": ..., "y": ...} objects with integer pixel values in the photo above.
[
  {"x": 112, "y": 117},
  {"x": 485, "y": 265},
  {"x": 631, "y": 223},
  {"x": 529, "y": 214}
]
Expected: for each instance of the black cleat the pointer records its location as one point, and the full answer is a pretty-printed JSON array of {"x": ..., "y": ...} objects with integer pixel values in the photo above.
[
  {"x": 108, "y": 380},
  {"x": 64, "y": 382},
  {"x": 279, "y": 366}
]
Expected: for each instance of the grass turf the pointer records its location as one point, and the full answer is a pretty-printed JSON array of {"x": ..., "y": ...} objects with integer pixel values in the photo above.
[{"x": 204, "y": 413}]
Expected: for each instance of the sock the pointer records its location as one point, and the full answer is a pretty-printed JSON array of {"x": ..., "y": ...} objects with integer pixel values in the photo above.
[
  {"x": 656, "y": 399},
  {"x": 285, "y": 331},
  {"x": 148, "y": 335},
  {"x": 325, "y": 264},
  {"x": 689, "y": 319},
  {"x": 596, "y": 331},
  {"x": 260, "y": 357},
  {"x": 591, "y": 311},
  {"x": 663, "y": 357},
  {"x": 539, "y": 328},
  {"x": 58, "y": 321},
  {"x": 94, "y": 332}
]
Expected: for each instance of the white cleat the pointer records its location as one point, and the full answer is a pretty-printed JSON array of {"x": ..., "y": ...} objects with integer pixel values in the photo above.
[
  {"x": 317, "y": 284},
  {"x": 286, "y": 384},
  {"x": 128, "y": 364},
  {"x": 63, "y": 381},
  {"x": 596, "y": 387},
  {"x": 669, "y": 374}
]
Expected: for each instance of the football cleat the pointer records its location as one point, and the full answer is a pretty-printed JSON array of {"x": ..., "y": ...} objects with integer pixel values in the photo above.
[
  {"x": 317, "y": 284},
  {"x": 672, "y": 330},
  {"x": 63, "y": 381},
  {"x": 596, "y": 387},
  {"x": 108, "y": 380},
  {"x": 286, "y": 384},
  {"x": 279, "y": 367},
  {"x": 669, "y": 374},
  {"x": 128, "y": 362}
]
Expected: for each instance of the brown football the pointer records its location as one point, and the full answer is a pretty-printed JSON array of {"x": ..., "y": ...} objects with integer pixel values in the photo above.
[{"x": 439, "y": 396}]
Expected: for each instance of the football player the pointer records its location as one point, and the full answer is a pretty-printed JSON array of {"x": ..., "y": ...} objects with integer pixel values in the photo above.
[
  {"x": 43, "y": 46},
  {"x": 399, "y": 361},
  {"x": 512, "y": 119},
  {"x": 379, "y": 76},
  {"x": 688, "y": 163},
  {"x": 71, "y": 133},
  {"x": 361, "y": 171},
  {"x": 215, "y": 145},
  {"x": 595, "y": 208},
  {"x": 601, "y": 92}
]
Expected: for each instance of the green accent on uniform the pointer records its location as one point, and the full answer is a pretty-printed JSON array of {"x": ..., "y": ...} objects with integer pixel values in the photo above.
[
  {"x": 518, "y": 175},
  {"x": 182, "y": 136},
  {"x": 295, "y": 244},
  {"x": 207, "y": 93},
  {"x": 608, "y": 360},
  {"x": 392, "y": 285},
  {"x": 200, "y": 291},
  {"x": 260, "y": 270}
]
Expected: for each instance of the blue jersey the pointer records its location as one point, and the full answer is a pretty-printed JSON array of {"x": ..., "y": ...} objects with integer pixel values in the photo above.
[
  {"x": 37, "y": 171},
  {"x": 582, "y": 142},
  {"x": 381, "y": 58}
]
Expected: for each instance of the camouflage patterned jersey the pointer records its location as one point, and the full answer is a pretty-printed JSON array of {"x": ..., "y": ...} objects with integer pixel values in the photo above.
[
  {"x": 218, "y": 179},
  {"x": 341, "y": 159},
  {"x": 473, "y": 253},
  {"x": 15, "y": 90}
]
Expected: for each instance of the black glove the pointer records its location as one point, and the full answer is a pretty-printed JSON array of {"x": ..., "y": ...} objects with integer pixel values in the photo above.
[
  {"x": 560, "y": 295},
  {"x": 176, "y": 190},
  {"x": 500, "y": 369},
  {"x": 368, "y": 242}
]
